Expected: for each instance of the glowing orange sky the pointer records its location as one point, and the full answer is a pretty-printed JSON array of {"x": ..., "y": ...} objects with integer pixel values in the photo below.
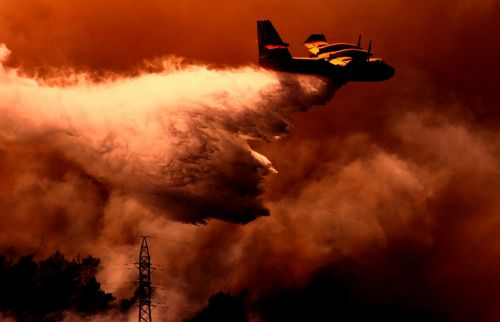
[{"x": 427, "y": 136}]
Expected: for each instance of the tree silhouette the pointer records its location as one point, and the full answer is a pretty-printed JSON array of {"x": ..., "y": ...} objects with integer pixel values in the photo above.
[
  {"x": 222, "y": 307},
  {"x": 41, "y": 291}
]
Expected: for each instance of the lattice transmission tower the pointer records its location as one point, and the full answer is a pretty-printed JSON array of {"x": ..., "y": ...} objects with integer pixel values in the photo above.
[{"x": 144, "y": 287}]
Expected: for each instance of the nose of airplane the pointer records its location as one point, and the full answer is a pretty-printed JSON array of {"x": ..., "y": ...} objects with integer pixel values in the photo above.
[
  {"x": 371, "y": 71},
  {"x": 382, "y": 71},
  {"x": 390, "y": 71}
]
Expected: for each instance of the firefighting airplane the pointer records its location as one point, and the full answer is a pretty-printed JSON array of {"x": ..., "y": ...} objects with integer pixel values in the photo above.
[{"x": 341, "y": 62}]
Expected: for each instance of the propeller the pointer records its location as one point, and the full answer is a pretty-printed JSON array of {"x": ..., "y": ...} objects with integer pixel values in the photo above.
[
  {"x": 359, "y": 41},
  {"x": 369, "y": 50}
]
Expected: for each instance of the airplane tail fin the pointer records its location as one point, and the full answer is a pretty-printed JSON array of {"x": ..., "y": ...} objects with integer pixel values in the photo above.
[{"x": 271, "y": 47}]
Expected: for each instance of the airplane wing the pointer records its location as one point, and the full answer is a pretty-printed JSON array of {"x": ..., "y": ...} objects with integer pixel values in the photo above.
[{"x": 314, "y": 42}]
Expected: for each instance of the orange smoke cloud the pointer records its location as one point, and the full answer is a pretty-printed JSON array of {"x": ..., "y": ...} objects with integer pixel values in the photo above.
[
  {"x": 396, "y": 181},
  {"x": 171, "y": 143},
  {"x": 169, "y": 139}
]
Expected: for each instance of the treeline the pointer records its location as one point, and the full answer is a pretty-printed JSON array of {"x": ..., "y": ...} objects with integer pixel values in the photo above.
[
  {"x": 223, "y": 307},
  {"x": 42, "y": 291},
  {"x": 337, "y": 294}
]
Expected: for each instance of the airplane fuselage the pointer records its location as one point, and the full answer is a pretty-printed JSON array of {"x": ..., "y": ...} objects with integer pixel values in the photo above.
[
  {"x": 362, "y": 71},
  {"x": 369, "y": 71},
  {"x": 305, "y": 65}
]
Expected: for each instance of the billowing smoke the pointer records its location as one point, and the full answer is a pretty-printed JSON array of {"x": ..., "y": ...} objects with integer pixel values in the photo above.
[
  {"x": 386, "y": 201},
  {"x": 175, "y": 140},
  {"x": 87, "y": 161}
]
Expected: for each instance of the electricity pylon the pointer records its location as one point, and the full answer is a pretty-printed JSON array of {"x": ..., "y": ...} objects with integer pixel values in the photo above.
[{"x": 144, "y": 288}]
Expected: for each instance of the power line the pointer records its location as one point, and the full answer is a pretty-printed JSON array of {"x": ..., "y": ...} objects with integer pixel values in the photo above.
[{"x": 190, "y": 243}]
